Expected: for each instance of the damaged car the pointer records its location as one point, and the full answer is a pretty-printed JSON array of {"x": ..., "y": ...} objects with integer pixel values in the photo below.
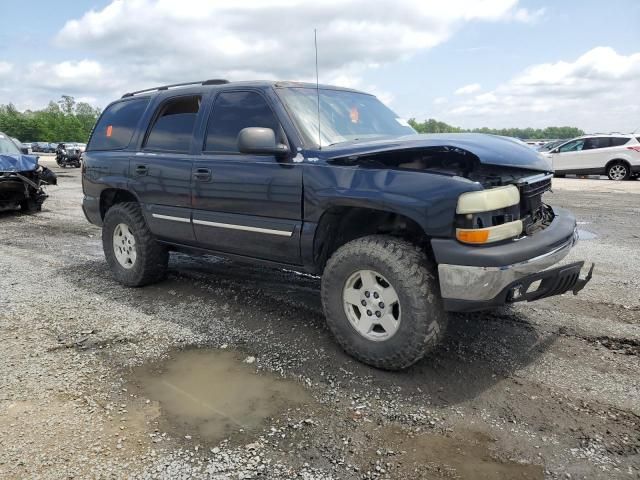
[
  {"x": 21, "y": 178},
  {"x": 402, "y": 228}
]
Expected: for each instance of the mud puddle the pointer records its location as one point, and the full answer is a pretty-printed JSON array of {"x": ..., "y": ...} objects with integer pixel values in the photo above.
[
  {"x": 212, "y": 395},
  {"x": 467, "y": 456}
]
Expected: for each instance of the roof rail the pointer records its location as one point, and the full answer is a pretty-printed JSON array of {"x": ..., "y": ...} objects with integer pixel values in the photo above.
[{"x": 213, "y": 81}]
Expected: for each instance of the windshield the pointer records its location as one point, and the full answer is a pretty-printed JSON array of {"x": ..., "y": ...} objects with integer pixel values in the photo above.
[
  {"x": 7, "y": 147},
  {"x": 344, "y": 115}
]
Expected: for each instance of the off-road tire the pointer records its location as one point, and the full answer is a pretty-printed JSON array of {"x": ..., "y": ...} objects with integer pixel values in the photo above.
[
  {"x": 616, "y": 164},
  {"x": 407, "y": 268},
  {"x": 151, "y": 257}
]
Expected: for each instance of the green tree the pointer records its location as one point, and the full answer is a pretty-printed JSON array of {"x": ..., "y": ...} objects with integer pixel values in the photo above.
[
  {"x": 64, "y": 120},
  {"x": 434, "y": 126}
]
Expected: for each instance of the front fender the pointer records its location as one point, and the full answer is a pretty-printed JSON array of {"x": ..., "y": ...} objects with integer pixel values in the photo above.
[{"x": 428, "y": 199}]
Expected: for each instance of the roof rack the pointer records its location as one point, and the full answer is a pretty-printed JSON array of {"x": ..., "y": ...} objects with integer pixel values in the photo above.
[{"x": 213, "y": 81}]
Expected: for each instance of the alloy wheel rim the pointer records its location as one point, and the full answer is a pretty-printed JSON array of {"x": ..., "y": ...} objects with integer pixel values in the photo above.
[
  {"x": 371, "y": 305},
  {"x": 618, "y": 172},
  {"x": 124, "y": 246}
]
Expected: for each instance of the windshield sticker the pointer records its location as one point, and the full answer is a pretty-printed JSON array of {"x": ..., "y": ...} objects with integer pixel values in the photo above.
[
  {"x": 354, "y": 115},
  {"x": 109, "y": 130},
  {"x": 403, "y": 122}
]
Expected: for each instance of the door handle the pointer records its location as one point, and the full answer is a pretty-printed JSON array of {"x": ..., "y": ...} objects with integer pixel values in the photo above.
[
  {"x": 142, "y": 169},
  {"x": 202, "y": 174}
]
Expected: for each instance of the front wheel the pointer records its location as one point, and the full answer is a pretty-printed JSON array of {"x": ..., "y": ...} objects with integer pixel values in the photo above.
[
  {"x": 381, "y": 301},
  {"x": 132, "y": 252},
  {"x": 618, "y": 171}
]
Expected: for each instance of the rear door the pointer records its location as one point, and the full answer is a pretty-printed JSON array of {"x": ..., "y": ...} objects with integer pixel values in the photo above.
[
  {"x": 160, "y": 173},
  {"x": 595, "y": 154},
  {"x": 243, "y": 204}
]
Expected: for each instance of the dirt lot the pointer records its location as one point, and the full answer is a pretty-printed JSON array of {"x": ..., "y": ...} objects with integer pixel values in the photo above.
[{"x": 227, "y": 371}]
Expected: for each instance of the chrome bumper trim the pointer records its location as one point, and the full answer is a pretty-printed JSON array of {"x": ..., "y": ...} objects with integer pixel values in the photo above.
[{"x": 463, "y": 282}]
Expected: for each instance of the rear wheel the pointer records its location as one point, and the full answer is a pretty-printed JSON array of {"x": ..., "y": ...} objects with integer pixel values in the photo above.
[
  {"x": 618, "y": 171},
  {"x": 381, "y": 301},
  {"x": 132, "y": 252}
]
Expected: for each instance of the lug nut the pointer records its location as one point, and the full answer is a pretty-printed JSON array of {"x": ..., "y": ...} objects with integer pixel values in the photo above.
[
  {"x": 378, "y": 314},
  {"x": 369, "y": 312},
  {"x": 381, "y": 304},
  {"x": 375, "y": 295},
  {"x": 367, "y": 294},
  {"x": 364, "y": 303}
]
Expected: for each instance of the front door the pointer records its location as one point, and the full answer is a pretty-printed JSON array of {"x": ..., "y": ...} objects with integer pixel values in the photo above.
[
  {"x": 249, "y": 205},
  {"x": 568, "y": 157}
]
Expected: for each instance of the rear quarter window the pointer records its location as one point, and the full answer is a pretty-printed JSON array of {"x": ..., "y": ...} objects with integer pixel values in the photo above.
[
  {"x": 617, "y": 141},
  {"x": 118, "y": 123}
]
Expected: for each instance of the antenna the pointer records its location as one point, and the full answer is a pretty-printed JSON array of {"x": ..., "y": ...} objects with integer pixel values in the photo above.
[{"x": 315, "y": 41}]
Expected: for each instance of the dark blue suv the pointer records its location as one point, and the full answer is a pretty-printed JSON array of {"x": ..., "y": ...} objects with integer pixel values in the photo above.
[{"x": 402, "y": 227}]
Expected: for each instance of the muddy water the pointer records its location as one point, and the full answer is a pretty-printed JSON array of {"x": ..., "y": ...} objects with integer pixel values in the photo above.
[
  {"x": 467, "y": 456},
  {"x": 212, "y": 395}
]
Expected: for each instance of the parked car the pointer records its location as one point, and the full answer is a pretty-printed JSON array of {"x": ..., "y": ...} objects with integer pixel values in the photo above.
[
  {"x": 615, "y": 155},
  {"x": 402, "y": 227},
  {"x": 21, "y": 178}
]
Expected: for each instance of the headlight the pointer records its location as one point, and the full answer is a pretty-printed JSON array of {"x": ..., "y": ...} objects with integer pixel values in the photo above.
[
  {"x": 488, "y": 216},
  {"x": 488, "y": 200}
]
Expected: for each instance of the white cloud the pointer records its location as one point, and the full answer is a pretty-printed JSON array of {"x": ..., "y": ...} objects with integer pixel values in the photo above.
[
  {"x": 598, "y": 90},
  {"x": 468, "y": 89},
  {"x": 147, "y": 42},
  {"x": 440, "y": 100},
  {"x": 5, "y": 68},
  {"x": 527, "y": 16}
]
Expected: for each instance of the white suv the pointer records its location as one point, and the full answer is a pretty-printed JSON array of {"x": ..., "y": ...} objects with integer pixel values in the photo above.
[{"x": 615, "y": 155}]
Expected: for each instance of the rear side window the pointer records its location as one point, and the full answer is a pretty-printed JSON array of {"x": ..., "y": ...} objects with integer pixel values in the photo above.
[
  {"x": 596, "y": 142},
  {"x": 234, "y": 111},
  {"x": 617, "y": 141},
  {"x": 172, "y": 128},
  {"x": 117, "y": 125}
]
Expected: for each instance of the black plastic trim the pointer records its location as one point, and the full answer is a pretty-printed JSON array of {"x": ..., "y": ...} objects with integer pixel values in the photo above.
[{"x": 555, "y": 281}]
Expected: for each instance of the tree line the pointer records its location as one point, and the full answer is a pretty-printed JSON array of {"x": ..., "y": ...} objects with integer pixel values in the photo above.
[
  {"x": 63, "y": 121},
  {"x": 70, "y": 121},
  {"x": 434, "y": 126}
]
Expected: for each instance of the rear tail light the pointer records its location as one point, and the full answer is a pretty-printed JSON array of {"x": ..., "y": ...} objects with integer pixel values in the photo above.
[{"x": 636, "y": 148}]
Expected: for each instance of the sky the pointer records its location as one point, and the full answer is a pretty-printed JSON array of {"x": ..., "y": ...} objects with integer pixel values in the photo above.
[{"x": 470, "y": 63}]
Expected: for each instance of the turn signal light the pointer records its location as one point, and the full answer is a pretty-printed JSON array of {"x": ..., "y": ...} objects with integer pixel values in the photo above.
[
  {"x": 490, "y": 234},
  {"x": 472, "y": 236}
]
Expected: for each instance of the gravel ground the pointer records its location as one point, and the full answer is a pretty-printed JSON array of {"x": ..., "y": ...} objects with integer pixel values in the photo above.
[{"x": 543, "y": 390}]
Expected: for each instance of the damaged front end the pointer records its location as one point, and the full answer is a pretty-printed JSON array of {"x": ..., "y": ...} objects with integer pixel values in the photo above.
[
  {"x": 499, "y": 165},
  {"x": 21, "y": 182}
]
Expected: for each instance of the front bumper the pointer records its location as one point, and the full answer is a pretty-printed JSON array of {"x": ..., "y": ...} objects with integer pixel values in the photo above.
[{"x": 482, "y": 277}]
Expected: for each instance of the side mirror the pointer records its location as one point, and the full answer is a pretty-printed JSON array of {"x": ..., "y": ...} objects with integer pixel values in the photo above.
[{"x": 260, "y": 140}]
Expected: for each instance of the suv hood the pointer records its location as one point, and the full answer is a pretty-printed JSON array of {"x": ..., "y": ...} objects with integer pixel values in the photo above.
[
  {"x": 18, "y": 163},
  {"x": 491, "y": 150}
]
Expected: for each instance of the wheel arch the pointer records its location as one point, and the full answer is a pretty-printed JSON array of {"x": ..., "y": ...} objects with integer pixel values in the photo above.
[
  {"x": 112, "y": 196},
  {"x": 342, "y": 223}
]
